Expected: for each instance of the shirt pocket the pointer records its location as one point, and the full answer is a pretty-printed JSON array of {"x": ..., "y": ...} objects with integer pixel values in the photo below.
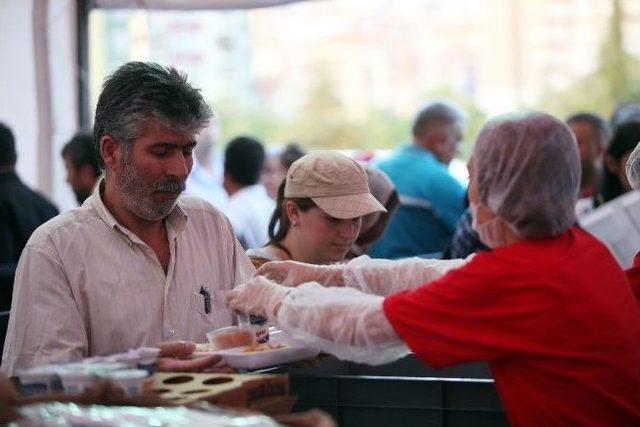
[{"x": 218, "y": 316}]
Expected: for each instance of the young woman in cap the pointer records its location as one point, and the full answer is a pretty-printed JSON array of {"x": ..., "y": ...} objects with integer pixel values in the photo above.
[
  {"x": 548, "y": 308},
  {"x": 319, "y": 210}
]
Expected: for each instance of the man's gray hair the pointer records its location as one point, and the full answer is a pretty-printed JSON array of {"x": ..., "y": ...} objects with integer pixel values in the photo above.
[
  {"x": 141, "y": 91},
  {"x": 436, "y": 113}
]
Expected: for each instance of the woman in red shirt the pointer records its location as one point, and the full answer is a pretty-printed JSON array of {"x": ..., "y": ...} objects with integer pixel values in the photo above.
[{"x": 548, "y": 308}]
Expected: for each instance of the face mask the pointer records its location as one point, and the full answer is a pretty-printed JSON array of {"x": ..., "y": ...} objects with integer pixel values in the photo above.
[{"x": 491, "y": 232}]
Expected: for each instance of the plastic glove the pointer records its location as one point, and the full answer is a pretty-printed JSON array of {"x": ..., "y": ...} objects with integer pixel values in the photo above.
[
  {"x": 259, "y": 296},
  {"x": 293, "y": 273},
  {"x": 340, "y": 321},
  {"x": 387, "y": 277}
]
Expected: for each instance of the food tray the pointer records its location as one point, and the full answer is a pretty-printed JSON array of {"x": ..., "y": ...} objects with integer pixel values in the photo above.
[
  {"x": 245, "y": 391},
  {"x": 241, "y": 359}
]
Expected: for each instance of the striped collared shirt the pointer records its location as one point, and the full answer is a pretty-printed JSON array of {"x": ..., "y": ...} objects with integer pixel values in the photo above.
[{"x": 85, "y": 285}]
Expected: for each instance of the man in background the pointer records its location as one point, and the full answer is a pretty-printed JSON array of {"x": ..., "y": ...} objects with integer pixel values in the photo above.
[
  {"x": 205, "y": 179},
  {"x": 249, "y": 207},
  {"x": 22, "y": 210},
  {"x": 81, "y": 162},
  {"x": 592, "y": 134},
  {"x": 431, "y": 199}
]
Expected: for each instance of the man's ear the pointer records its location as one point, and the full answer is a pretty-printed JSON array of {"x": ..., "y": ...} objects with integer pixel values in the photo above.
[{"x": 110, "y": 151}]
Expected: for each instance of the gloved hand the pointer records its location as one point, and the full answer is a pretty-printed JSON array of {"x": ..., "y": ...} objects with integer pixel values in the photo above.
[
  {"x": 258, "y": 296},
  {"x": 293, "y": 273}
]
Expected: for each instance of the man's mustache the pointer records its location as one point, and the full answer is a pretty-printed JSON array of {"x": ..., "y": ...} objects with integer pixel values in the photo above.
[{"x": 170, "y": 186}]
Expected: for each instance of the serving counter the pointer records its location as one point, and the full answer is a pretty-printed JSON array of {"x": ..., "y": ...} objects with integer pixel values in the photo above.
[{"x": 404, "y": 393}]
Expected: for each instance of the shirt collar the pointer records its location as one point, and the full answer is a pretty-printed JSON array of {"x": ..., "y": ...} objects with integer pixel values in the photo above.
[{"x": 176, "y": 220}]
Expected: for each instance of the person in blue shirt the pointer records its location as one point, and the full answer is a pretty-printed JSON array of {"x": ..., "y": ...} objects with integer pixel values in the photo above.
[{"x": 431, "y": 200}]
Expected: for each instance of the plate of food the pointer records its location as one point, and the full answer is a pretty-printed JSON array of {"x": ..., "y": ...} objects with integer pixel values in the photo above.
[{"x": 278, "y": 350}]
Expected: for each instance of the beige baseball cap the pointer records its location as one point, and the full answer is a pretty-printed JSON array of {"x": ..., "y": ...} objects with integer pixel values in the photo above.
[{"x": 336, "y": 183}]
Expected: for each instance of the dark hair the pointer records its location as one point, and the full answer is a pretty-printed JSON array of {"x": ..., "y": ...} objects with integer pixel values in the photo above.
[
  {"x": 81, "y": 150},
  {"x": 140, "y": 91},
  {"x": 436, "y": 112},
  {"x": 597, "y": 123},
  {"x": 290, "y": 154},
  {"x": 625, "y": 138},
  {"x": 8, "y": 154},
  {"x": 243, "y": 160},
  {"x": 280, "y": 224},
  {"x": 625, "y": 112}
]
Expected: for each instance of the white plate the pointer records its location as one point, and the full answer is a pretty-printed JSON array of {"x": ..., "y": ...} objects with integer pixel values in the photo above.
[{"x": 238, "y": 358}]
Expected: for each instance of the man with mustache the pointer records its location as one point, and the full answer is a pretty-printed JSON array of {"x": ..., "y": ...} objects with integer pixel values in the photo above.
[{"x": 135, "y": 265}]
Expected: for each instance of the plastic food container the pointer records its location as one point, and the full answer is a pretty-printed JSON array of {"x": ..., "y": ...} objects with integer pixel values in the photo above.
[
  {"x": 38, "y": 380},
  {"x": 100, "y": 368},
  {"x": 76, "y": 381},
  {"x": 230, "y": 337},
  {"x": 130, "y": 358},
  {"x": 131, "y": 380},
  {"x": 260, "y": 327},
  {"x": 148, "y": 358}
]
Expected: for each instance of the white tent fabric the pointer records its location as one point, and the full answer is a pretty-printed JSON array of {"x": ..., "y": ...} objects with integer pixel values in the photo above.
[
  {"x": 190, "y": 4},
  {"x": 39, "y": 74},
  {"x": 38, "y": 88}
]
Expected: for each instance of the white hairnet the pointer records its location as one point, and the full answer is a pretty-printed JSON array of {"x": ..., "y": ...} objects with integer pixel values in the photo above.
[
  {"x": 528, "y": 173},
  {"x": 633, "y": 168}
]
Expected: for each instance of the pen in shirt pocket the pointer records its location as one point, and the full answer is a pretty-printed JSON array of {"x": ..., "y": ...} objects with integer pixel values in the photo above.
[{"x": 206, "y": 296}]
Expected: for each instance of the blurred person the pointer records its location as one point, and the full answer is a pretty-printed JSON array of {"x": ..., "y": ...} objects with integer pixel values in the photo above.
[
  {"x": 22, "y": 210},
  {"x": 319, "y": 210},
  {"x": 81, "y": 162},
  {"x": 548, "y": 307},
  {"x": 465, "y": 240},
  {"x": 249, "y": 206},
  {"x": 204, "y": 180},
  {"x": 633, "y": 173},
  {"x": 374, "y": 224},
  {"x": 624, "y": 140},
  {"x": 431, "y": 199},
  {"x": 592, "y": 135},
  {"x": 135, "y": 265},
  {"x": 276, "y": 167},
  {"x": 625, "y": 112}
]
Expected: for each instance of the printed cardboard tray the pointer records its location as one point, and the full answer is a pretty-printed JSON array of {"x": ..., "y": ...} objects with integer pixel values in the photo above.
[
  {"x": 240, "y": 358},
  {"x": 235, "y": 390}
]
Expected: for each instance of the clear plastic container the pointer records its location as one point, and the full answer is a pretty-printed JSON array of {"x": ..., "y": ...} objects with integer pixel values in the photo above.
[
  {"x": 38, "y": 380},
  {"x": 148, "y": 358},
  {"x": 76, "y": 381},
  {"x": 230, "y": 337},
  {"x": 131, "y": 380}
]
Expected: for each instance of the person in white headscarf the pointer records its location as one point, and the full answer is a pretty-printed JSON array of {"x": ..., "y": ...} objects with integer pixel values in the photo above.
[{"x": 548, "y": 307}]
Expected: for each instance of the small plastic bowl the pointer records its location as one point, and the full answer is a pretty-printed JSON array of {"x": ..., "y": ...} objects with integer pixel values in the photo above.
[
  {"x": 131, "y": 380},
  {"x": 230, "y": 337},
  {"x": 148, "y": 358},
  {"x": 39, "y": 380},
  {"x": 75, "y": 382}
]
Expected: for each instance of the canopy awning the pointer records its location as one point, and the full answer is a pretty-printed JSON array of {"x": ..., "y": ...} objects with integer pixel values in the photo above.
[{"x": 188, "y": 4}]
